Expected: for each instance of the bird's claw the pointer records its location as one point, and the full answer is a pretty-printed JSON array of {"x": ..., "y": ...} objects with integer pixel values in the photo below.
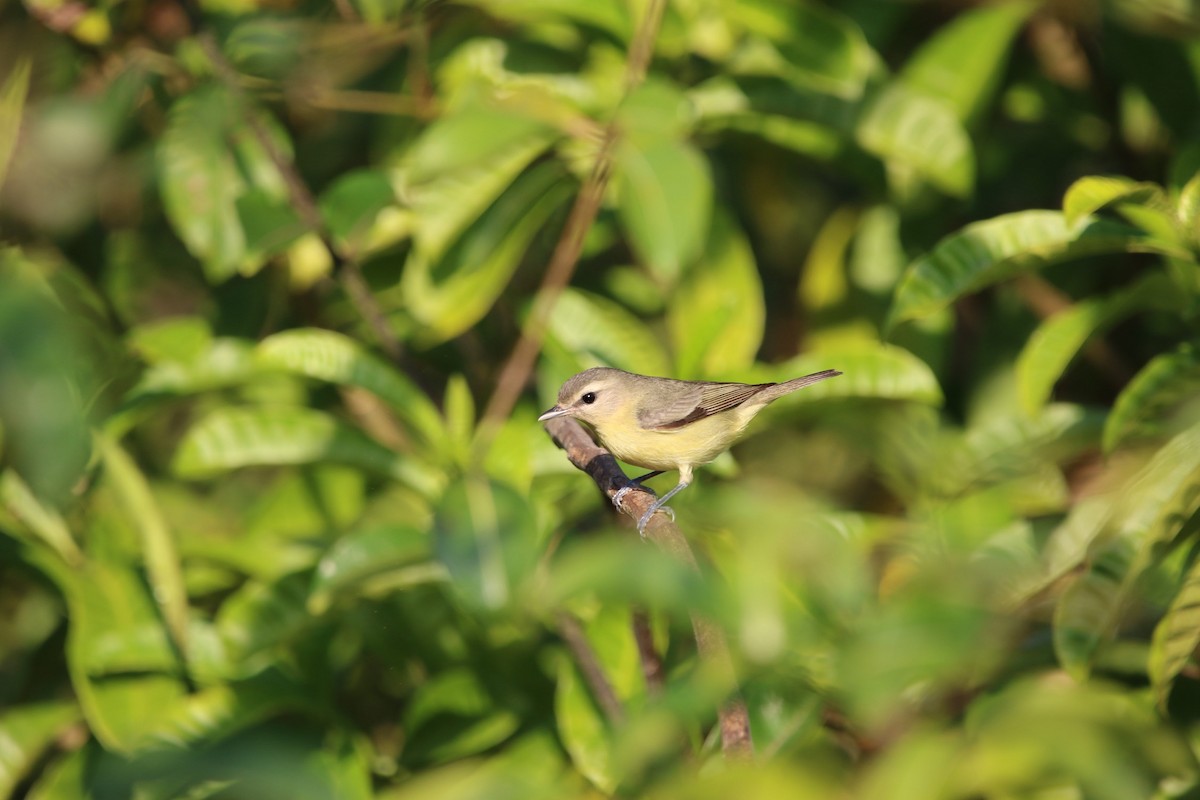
[{"x": 645, "y": 520}]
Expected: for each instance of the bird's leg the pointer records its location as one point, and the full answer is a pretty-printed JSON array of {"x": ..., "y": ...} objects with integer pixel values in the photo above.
[
  {"x": 661, "y": 503},
  {"x": 636, "y": 484}
]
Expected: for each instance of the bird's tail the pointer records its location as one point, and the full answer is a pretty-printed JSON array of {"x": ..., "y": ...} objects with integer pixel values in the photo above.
[{"x": 787, "y": 387}]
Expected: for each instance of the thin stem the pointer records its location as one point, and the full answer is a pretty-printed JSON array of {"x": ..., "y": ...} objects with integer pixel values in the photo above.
[
  {"x": 589, "y": 666},
  {"x": 516, "y": 371},
  {"x": 713, "y": 650}
]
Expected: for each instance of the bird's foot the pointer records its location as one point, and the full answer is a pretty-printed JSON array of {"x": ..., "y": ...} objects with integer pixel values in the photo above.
[{"x": 645, "y": 520}]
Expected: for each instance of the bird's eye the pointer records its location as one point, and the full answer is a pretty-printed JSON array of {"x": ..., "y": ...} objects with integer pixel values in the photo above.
[{"x": 589, "y": 398}]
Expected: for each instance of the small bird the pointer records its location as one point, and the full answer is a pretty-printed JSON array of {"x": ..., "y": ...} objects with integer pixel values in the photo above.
[{"x": 663, "y": 424}]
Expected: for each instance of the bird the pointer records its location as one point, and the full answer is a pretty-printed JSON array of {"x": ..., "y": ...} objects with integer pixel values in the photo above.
[{"x": 664, "y": 424}]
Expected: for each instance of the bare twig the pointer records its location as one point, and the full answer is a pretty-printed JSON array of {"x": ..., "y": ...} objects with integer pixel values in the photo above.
[
  {"x": 563, "y": 260},
  {"x": 652, "y": 666},
  {"x": 305, "y": 204},
  {"x": 589, "y": 666},
  {"x": 662, "y": 531}
]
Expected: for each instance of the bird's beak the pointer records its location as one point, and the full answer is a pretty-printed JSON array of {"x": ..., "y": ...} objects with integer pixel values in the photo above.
[{"x": 557, "y": 411}]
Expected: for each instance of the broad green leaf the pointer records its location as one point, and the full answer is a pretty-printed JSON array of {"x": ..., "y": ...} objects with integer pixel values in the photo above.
[
  {"x": 65, "y": 779},
  {"x": 611, "y": 16},
  {"x": 351, "y": 206},
  {"x": 1169, "y": 379},
  {"x": 1007, "y": 448},
  {"x": 453, "y": 716},
  {"x": 123, "y": 667},
  {"x": 962, "y": 63},
  {"x": 811, "y": 124},
  {"x": 44, "y": 523},
  {"x": 918, "y": 137},
  {"x": 231, "y": 438},
  {"x": 655, "y": 112},
  {"x": 1068, "y": 544},
  {"x": 200, "y": 183},
  {"x": 818, "y": 47},
  {"x": 877, "y": 257},
  {"x": 1176, "y": 636},
  {"x": 582, "y": 728},
  {"x": 484, "y": 535},
  {"x": 986, "y": 252},
  {"x": 664, "y": 202},
  {"x": 450, "y": 295},
  {"x": 260, "y": 616},
  {"x": 388, "y": 555},
  {"x": 1057, "y": 340},
  {"x": 44, "y": 377},
  {"x": 161, "y": 556},
  {"x": 1154, "y": 506},
  {"x": 459, "y": 166},
  {"x": 220, "y": 711},
  {"x": 330, "y": 356},
  {"x": 868, "y": 371},
  {"x": 221, "y": 191},
  {"x": 1088, "y": 195},
  {"x": 595, "y": 329},
  {"x": 12, "y": 105},
  {"x": 26, "y": 731},
  {"x": 716, "y": 314}
]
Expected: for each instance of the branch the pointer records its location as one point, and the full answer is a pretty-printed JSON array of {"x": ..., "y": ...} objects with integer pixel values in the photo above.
[
  {"x": 652, "y": 666},
  {"x": 515, "y": 373},
  {"x": 305, "y": 205},
  {"x": 665, "y": 534},
  {"x": 589, "y": 666}
]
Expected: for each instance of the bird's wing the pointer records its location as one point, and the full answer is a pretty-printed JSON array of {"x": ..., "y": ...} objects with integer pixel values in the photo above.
[{"x": 702, "y": 400}]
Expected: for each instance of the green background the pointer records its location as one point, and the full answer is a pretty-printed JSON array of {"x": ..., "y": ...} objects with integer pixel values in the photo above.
[{"x": 268, "y": 529}]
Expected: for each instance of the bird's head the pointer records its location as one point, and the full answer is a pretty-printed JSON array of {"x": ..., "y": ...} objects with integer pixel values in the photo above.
[{"x": 593, "y": 396}]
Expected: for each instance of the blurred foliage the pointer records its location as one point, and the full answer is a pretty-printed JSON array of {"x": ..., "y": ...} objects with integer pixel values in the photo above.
[{"x": 261, "y": 266}]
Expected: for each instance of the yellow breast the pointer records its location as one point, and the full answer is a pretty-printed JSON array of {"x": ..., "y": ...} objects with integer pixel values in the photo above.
[{"x": 693, "y": 444}]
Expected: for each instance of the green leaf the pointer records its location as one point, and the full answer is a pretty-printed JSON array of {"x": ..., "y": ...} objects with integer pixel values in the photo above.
[
  {"x": 260, "y": 616},
  {"x": 26, "y": 731},
  {"x": 717, "y": 313},
  {"x": 1167, "y": 380},
  {"x": 869, "y": 370},
  {"x": 12, "y": 104},
  {"x": 820, "y": 47},
  {"x": 122, "y": 665},
  {"x": 1176, "y": 636},
  {"x": 471, "y": 137},
  {"x": 231, "y": 438},
  {"x": 582, "y": 728},
  {"x": 963, "y": 62},
  {"x": 1089, "y": 195},
  {"x": 200, "y": 183},
  {"x": 1058, "y": 339},
  {"x": 450, "y": 295},
  {"x": 209, "y": 161},
  {"x": 1151, "y": 510},
  {"x": 216, "y": 713},
  {"x": 44, "y": 523},
  {"x": 157, "y": 542},
  {"x": 664, "y": 203},
  {"x": 986, "y": 252},
  {"x": 484, "y": 534},
  {"x": 595, "y": 329},
  {"x": 918, "y": 137},
  {"x": 351, "y": 206},
  {"x": 452, "y": 716},
  {"x": 1014, "y": 446},
  {"x": 356, "y": 564},
  {"x": 45, "y": 360},
  {"x": 333, "y": 357}
]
